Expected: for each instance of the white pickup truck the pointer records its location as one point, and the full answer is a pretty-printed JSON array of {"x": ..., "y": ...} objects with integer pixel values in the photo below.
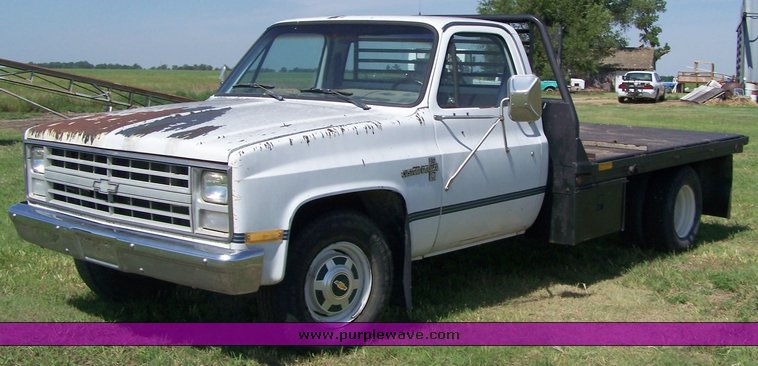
[{"x": 341, "y": 149}]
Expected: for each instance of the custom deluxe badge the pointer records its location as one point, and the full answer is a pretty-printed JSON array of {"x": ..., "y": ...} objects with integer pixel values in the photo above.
[{"x": 430, "y": 169}]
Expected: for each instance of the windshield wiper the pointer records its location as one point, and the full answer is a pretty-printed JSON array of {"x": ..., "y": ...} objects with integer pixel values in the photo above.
[
  {"x": 339, "y": 94},
  {"x": 266, "y": 89}
]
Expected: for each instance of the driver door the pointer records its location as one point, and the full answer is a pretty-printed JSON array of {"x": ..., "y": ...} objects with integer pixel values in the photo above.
[{"x": 499, "y": 191}]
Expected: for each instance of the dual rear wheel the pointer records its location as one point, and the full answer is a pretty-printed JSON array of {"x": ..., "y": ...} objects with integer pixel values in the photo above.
[{"x": 663, "y": 212}]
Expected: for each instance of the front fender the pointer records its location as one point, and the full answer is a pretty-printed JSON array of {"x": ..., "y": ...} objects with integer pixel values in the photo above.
[{"x": 272, "y": 180}]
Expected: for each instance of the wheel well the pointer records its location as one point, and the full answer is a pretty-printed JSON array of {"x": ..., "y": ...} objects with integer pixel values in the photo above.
[
  {"x": 715, "y": 177},
  {"x": 386, "y": 209}
]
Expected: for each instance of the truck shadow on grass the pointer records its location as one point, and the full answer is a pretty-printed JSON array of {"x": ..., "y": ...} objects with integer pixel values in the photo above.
[
  {"x": 507, "y": 270},
  {"x": 443, "y": 286}
]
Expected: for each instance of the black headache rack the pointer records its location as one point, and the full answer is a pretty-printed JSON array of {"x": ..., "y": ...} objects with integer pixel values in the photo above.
[{"x": 587, "y": 181}]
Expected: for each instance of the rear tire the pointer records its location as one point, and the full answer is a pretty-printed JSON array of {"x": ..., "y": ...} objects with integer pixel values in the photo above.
[
  {"x": 673, "y": 210},
  {"x": 339, "y": 269},
  {"x": 118, "y": 286},
  {"x": 622, "y": 100}
]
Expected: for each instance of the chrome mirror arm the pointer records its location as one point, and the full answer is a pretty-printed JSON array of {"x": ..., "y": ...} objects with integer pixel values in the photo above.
[
  {"x": 500, "y": 120},
  {"x": 471, "y": 154}
]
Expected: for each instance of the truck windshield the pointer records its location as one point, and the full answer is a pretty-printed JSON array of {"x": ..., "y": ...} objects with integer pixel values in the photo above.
[{"x": 377, "y": 63}]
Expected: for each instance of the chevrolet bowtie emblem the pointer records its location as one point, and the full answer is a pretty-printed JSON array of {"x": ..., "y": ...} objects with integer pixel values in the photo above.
[
  {"x": 340, "y": 285},
  {"x": 103, "y": 186}
]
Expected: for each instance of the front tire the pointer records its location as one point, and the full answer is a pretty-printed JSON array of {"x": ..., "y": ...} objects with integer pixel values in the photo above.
[
  {"x": 339, "y": 269},
  {"x": 673, "y": 211}
]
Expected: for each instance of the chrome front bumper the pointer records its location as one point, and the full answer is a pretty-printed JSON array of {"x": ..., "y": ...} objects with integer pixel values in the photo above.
[{"x": 183, "y": 262}]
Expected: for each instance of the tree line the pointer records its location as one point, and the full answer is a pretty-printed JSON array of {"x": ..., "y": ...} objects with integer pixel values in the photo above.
[
  {"x": 87, "y": 65},
  {"x": 587, "y": 31}
]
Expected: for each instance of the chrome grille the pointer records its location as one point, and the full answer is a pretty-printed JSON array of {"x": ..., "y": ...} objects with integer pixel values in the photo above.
[
  {"x": 148, "y": 192},
  {"x": 129, "y": 169}
]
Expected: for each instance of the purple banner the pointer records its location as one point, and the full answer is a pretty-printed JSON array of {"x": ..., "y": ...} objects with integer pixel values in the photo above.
[{"x": 379, "y": 334}]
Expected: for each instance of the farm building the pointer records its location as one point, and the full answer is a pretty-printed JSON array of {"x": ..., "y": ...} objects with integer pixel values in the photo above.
[{"x": 622, "y": 61}]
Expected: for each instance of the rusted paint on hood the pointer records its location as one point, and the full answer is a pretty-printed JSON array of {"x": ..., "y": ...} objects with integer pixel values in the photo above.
[
  {"x": 88, "y": 128},
  {"x": 183, "y": 121},
  {"x": 179, "y": 123}
]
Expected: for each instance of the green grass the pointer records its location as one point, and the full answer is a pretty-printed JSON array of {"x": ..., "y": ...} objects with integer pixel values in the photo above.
[
  {"x": 196, "y": 85},
  {"x": 513, "y": 280},
  {"x": 192, "y": 84}
]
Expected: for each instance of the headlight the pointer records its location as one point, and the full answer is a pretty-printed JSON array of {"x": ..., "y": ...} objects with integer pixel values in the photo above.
[
  {"x": 215, "y": 188},
  {"x": 37, "y": 159}
]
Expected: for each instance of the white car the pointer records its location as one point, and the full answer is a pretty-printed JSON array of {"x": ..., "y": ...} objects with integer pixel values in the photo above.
[{"x": 638, "y": 85}]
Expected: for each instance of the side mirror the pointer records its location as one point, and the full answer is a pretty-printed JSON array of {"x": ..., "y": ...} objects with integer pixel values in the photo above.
[
  {"x": 525, "y": 98},
  {"x": 222, "y": 74}
]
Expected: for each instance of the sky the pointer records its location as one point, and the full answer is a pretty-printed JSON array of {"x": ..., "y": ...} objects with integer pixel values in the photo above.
[{"x": 176, "y": 32}]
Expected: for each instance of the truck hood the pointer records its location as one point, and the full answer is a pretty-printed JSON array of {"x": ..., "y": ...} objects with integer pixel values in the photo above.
[{"x": 208, "y": 130}]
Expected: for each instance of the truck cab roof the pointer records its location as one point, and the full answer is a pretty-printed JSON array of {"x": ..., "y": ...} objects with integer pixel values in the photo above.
[{"x": 436, "y": 21}]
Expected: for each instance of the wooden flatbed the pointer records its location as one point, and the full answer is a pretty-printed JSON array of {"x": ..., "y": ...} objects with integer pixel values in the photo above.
[{"x": 646, "y": 149}]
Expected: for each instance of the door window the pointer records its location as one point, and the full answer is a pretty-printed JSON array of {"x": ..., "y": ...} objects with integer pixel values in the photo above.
[{"x": 477, "y": 67}]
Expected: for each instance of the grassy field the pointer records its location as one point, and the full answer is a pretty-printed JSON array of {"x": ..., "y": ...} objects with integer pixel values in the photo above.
[
  {"x": 513, "y": 280},
  {"x": 196, "y": 85}
]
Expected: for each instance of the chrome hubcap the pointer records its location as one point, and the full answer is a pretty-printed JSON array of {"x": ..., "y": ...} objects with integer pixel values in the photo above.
[{"x": 338, "y": 283}]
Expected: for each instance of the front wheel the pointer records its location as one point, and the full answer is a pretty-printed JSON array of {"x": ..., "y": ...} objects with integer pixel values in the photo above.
[{"x": 339, "y": 269}]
